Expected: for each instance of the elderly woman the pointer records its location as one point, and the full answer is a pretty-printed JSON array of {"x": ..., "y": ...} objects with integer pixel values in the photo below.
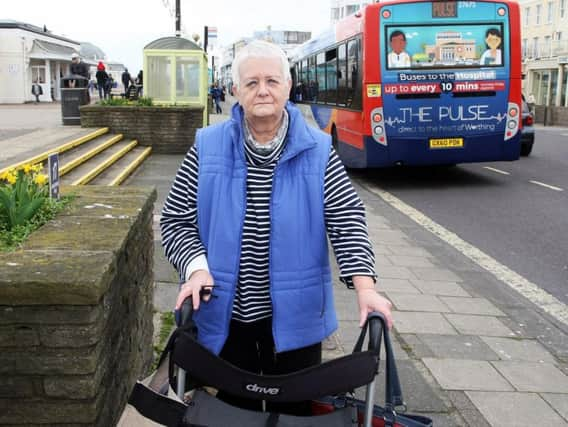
[{"x": 248, "y": 217}]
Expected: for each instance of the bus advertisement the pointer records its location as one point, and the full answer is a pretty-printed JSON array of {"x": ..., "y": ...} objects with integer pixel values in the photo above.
[{"x": 408, "y": 82}]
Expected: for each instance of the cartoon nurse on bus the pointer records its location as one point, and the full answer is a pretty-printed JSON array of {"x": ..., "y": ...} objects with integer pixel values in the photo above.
[{"x": 492, "y": 56}]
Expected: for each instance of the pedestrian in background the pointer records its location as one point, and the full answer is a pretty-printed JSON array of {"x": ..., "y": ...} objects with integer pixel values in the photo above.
[
  {"x": 109, "y": 84},
  {"x": 139, "y": 83},
  {"x": 126, "y": 79},
  {"x": 216, "y": 94},
  {"x": 78, "y": 67},
  {"x": 102, "y": 78},
  {"x": 37, "y": 91},
  {"x": 248, "y": 218},
  {"x": 531, "y": 102}
]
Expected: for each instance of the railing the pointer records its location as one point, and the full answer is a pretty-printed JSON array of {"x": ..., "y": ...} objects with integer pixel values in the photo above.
[{"x": 546, "y": 50}]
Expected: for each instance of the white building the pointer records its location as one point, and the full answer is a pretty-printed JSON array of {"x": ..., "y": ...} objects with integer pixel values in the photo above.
[
  {"x": 288, "y": 40},
  {"x": 545, "y": 50},
  {"x": 28, "y": 54},
  {"x": 342, "y": 8}
]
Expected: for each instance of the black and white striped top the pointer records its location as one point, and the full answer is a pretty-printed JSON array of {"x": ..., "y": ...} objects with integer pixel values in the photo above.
[{"x": 344, "y": 217}]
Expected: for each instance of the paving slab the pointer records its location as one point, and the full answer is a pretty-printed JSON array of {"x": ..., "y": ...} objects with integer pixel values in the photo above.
[
  {"x": 409, "y": 251},
  {"x": 391, "y": 237},
  {"x": 165, "y": 295},
  {"x": 411, "y": 261},
  {"x": 420, "y": 302},
  {"x": 467, "y": 347},
  {"x": 467, "y": 409},
  {"x": 421, "y": 323},
  {"x": 396, "y": 285},
  {"x": 439, "y": 287},
  {"x": 559, "y": 402},
  {"x": 464, "y": 305},
  {"x": 535, "y": 377},
  {"x": 455, "y": 374},
  {"x": 436, "y": 274},
  {"x": 520, "y": 350},
  {"x": 394, "y": 272},
  {"x": 419, "y": 395},
  {"x": 163, "y": 270},
  {"x": 382, "y": 262},
  {"x": 515, "y": 409},
  {"x": 479, "y": 325}
]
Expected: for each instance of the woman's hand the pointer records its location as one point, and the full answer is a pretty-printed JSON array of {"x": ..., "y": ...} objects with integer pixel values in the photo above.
[
  {"x": 370, "y": 300},
  {"x": 198, "y": 280}
]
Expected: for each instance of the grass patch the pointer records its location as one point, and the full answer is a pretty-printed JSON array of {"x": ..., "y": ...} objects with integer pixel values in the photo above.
[{"x": 167, "y": 324}]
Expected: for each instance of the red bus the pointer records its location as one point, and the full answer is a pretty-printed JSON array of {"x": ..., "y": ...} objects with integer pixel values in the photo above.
[{"x": 411, "y": 82}]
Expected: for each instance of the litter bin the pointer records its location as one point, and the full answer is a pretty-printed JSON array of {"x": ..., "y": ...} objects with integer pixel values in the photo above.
[{"x": 74, "y": 93}]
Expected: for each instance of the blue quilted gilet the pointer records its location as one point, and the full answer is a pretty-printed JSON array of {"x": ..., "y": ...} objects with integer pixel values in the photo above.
[{"x": 300, "y": 275}]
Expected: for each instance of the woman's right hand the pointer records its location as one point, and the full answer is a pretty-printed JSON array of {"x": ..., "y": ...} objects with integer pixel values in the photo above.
[{"x": 199, "y": 279}]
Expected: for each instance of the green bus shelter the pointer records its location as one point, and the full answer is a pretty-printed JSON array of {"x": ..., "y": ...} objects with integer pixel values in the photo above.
[{"x": 175, "y": 72}]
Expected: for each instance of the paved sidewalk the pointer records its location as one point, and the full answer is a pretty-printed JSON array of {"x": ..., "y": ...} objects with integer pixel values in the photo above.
[{"x": 470, "y": 350}]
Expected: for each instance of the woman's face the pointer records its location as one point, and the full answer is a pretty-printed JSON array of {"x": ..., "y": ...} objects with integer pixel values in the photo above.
[
  {"x": 263, "y": 90},
  {"x": 493, "y": 41}
]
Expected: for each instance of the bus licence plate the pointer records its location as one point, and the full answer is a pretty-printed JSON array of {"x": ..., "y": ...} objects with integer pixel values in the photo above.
[{"x": 446, "y": 143}]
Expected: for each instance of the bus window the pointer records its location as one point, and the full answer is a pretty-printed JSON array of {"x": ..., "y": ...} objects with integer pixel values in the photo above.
[
  {"x": 304, "y": 79},
  {"x": 331, "y": 76},
  {"x": 320, "y": 78},
  {"x": 341, "y": 75},
  {"x": 354, "y": 77},
  {"x": 311, "y": 89}
]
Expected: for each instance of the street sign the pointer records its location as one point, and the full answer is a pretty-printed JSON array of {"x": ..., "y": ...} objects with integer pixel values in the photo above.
[{"x": 53, "y": 167}]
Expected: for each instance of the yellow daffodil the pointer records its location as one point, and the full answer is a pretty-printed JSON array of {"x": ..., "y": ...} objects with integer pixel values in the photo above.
[
  {"x": 10, "y": 177},
  {"x": 28, "y": 168},
  {"x": 37, "y": 167},
  {"x": 40, "y": 179}
]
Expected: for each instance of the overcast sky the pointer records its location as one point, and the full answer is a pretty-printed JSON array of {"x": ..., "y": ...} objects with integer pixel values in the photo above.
[{"x": 121, "y": 28}]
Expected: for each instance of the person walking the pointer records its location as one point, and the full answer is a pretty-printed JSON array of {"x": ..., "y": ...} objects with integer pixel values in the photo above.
[
  {"x": 109, "y": 84},
  {"x": 102, "y": 78},
  {"x": 126, "y": 80},
  {"x": 248, "y": 219},
  {"x": 37, "y": 91},
  {"x": 216, "y": 94},
  {"x": 139, "y": 83}
]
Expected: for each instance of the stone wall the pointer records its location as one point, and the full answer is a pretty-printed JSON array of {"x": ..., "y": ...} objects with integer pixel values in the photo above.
[
  {"x": 76, "y": 311},
  {"x": 554, "y": 116},
  {"x": 169, "y": 130}
]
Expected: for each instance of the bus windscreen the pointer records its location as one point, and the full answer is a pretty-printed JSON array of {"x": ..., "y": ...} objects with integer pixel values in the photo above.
[{"x": 444, "y": 46}]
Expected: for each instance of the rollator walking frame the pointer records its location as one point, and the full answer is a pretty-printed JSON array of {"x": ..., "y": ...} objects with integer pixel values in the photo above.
[{"x": 187, "y": 366}]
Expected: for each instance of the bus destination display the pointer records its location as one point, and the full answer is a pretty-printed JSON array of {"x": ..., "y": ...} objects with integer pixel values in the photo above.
[{"x": 444, "y": 9}]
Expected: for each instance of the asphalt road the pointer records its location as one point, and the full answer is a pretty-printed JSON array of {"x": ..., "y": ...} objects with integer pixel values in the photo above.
[{"x": 516, "y": 212}]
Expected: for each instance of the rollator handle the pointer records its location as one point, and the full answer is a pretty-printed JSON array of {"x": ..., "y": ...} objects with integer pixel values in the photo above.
[
  {"x": 184, "y": 313},
  {"x": 377, "y": 323}
]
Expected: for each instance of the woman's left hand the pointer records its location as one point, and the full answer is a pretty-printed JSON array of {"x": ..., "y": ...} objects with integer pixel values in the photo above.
[{"x": 370, "y": 300}]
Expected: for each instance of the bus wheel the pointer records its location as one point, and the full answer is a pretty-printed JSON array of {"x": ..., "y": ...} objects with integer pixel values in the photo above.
[{"x": 334, "y": 140}]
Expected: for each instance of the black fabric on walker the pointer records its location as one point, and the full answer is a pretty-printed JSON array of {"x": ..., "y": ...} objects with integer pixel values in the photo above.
[
  {"x": 250, "y": 347},
  {"x": 206, "y": 368}
]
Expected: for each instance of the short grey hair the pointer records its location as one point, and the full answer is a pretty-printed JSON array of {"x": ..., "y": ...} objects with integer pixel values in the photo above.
[{"x": 260, "y": 49}]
